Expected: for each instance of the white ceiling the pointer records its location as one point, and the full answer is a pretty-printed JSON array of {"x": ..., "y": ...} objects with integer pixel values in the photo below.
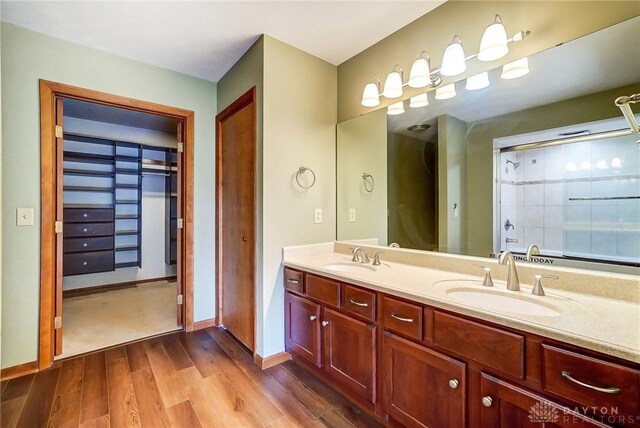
[{"x": 204, "y": 39}]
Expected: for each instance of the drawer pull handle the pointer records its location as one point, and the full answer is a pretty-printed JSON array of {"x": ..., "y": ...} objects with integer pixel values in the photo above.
[
  {"x": 487, "y": 401},
  {"x": 610, "y": 390},
  {"x": 84, "y": 263},
  {"x": 293, "y": 281},
  {"x": 84, "y": 245},
  {"x": 325, "y": 323},
  {"x": 400, "y": 318},
  {"x": 364, "y": 305},
  {"x": 453, "y": 383},
  {"x": 312, "y": 318}
]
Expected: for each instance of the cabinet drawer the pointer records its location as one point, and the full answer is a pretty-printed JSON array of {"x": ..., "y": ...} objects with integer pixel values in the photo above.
[
  {"x": 82, "y": 263},
  {"x": 87, "y": 215},
  {"x": 324, "y": 290},
  {"x": 591, "y": 373},
  {"x": 402, "y": 317},
  {"x": 293, "y": 280},
  {"x": 74, "y": 245},
  {"x": 358, "y": 301},
  {"x": 73, "y": 230},
  {"x": 501, "y": 350}
]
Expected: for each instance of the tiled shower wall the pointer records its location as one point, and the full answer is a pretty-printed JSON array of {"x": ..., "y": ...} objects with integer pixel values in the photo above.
[{"x": 578, "y": 199}]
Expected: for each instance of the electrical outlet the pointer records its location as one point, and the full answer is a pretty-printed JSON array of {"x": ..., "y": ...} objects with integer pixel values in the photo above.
[
  {"x": 24, "y": 216},
  {"x": 317, "y": 216},
  {"x": 352, "y": 215}
]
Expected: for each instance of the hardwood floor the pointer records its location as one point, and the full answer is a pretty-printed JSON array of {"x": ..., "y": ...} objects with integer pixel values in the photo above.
[{"x": 200, "y": 379}]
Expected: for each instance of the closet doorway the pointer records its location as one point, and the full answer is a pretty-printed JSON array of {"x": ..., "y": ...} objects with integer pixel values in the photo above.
[{"x": 116, "y": 219}]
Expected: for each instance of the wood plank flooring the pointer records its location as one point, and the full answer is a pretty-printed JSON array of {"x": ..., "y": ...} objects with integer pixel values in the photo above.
[{"x": 200, "y": 379}]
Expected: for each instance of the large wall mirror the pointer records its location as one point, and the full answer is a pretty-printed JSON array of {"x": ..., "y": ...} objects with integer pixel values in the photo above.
[{"x": 545, "y": 159}]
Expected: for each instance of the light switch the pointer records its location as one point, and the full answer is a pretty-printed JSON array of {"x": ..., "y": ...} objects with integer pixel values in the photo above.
[
  {"x": 352, "y": 215},
  {"x": 317, "y": 216},
  {"x": 24, "y": 217}
]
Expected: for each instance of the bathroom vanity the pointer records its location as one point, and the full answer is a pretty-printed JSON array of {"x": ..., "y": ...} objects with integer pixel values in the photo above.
[{"x": 419, "y": 341}]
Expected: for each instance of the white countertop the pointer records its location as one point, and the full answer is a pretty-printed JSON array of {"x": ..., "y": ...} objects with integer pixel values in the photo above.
[{"x": 605, "y": 324}]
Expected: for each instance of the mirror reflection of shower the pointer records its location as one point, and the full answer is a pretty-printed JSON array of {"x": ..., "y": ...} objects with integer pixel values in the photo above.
[{"x": 515, "y": 166}]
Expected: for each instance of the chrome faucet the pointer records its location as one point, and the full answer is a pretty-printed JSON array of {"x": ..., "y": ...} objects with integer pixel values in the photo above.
[
  {"x": 533, "y": 250},
  {"x": 360, "y": 255},
  {"x": 513, "y": 283}
]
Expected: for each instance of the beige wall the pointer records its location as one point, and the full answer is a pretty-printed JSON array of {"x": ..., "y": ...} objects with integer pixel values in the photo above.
[
  {"x": 362, "y": 147},
  {"x": 551, "y": 22},
  {"x": 299, "y": 130}
]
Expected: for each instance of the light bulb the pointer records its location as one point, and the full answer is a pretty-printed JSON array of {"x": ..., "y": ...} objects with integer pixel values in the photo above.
[
  {"x": 585, "y": 165},
  {"x": 602, "y": 164},
  {"x": 420, "y": 73},
  {"x": 453, "y": 61},
  {"x": 446, "y": 92},
  {"x": 370, "y": 95},
  {"x": 616, "y": 163},
  {"x": 571, "y": 166},
  {"x": 393, "y": 85},
  {"x": 419, "y": 101},
  {"x": 394, "y": 109},
  {"x": 494, "y": 42},
  {"x": 478, "y": 81},
  {"x": 515, "y": 69}
]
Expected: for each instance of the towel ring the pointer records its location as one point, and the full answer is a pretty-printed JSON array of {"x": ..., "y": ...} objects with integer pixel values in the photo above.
[
  {"x": 369, "y": 185},
  {"x": 301, "y": 171}
]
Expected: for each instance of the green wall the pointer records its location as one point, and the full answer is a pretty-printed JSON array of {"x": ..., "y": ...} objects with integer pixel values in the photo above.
[{"x": 28, "y": 56}]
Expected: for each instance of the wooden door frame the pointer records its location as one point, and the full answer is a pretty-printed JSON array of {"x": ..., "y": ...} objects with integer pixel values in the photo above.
[
  {"x": 49, "y": 91},
  {"x": 245, "y": 99}
]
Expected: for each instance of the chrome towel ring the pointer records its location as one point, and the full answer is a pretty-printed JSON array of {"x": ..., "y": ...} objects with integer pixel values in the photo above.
[
  {"x": 369, "y": 182},
  {"x": 301, "y": 171}
]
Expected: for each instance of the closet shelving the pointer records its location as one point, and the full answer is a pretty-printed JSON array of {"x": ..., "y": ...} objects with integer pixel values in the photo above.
[{"x": 171, "y": 201}]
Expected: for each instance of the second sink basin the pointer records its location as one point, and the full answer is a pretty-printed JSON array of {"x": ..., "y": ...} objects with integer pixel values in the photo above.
[
  {"x": 349, "y": 267},
  {"x": 502, "y": 302}
]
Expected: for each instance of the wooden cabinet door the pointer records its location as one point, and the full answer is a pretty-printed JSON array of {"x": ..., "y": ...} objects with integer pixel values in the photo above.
[
  {"x": 509, "y": 406},
  {"x": 349, "y": 352},
  {"x": 302, "y": 328},
  {"x": 422, "y": 388}
]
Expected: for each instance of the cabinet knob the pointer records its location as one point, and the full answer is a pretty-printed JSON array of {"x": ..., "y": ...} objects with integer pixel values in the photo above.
[
  {"x": 85, "y": 215},
  {"x": 487, "y": 401},
  {"x": 84, "y": 245},
  {"x": 244, "y": 239},
  {"x": 325, "y": 323},
  {"x": 453, "y": 383},
  {"x": 84, "y": 263},
  {"x": 312, "y": 318},
  {"x": 84, "y": 230}
]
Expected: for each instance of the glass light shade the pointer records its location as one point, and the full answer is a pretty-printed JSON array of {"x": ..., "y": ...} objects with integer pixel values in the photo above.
[
  {"x": 515, "y": 69},
  {"x": 602, "y": 164},
  {"x": 394, "y": 109},
  {"x": 446, "y": 92},
  {"x": 370, "y": 95},
  {"x": 419, "y": 76},
  {"x": 616, "y": 163},
  {"x": 393, "y": 85},
  {"x": 419, "y": 101},
  {"x": 571, "y": 166},
  {"x": 585, "y": 165},
  {"x": 478, "y": 81},
  {"x": 453, "y": 61},
  {"x": 494, "y": 42}
]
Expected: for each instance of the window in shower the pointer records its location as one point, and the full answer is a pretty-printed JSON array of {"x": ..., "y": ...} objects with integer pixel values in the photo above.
[{"x": 579, "y": 200}]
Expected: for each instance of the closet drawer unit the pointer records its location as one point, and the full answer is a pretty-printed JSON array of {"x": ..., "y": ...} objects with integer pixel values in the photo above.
[
  {"x": 75, "y": 245},
  {"x": 499, "y": 349},
  {"x": 359, "y": 302},
  {"x": 324, "y": 290},
  {"x": 402, "y": 317},
  {"x": 91, "y": 262},
  {"x": 87, "y": 215},
  {"x": 590, "y": 382},
  {"x": 75, "y": 230},
  {"x": 293, "y": 280}
]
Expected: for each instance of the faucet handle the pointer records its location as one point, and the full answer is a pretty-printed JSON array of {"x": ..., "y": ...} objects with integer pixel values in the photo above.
[
  {"x": 376, "y": 258},
  {"x": 537, "y": 288},
  {"x": 354, "y": 251},
  {"x": 488, "y": 282}
]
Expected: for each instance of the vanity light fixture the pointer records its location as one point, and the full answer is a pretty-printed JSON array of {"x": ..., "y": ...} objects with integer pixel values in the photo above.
[
  {"x": 393, "y": 84},
  {"x": 571, "y": 167},
  {"x": 493, "y": 44},
  {"x": 478, "y": 81},
  {"x": 395, "y": 109},
  {"x": 453, "y": 61},
  {"x": 421, "y": 75},
  {"x": 515, "y": 69},
  {"x": 616, "y": 163},
  {"x": 585, "y": 165},
  {"x": 417, "y": 101},
  {"x": 371, "y": 94},
  {"x": 602, "y": 164},
  {"x": 446, "y": 92}
]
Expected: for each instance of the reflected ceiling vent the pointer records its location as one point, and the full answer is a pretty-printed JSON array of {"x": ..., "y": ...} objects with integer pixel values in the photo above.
[{"x": 419, "y": 127}]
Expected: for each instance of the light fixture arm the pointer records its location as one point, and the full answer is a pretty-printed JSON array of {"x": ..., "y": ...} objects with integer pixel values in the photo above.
[{"x": 623, "y": 103}]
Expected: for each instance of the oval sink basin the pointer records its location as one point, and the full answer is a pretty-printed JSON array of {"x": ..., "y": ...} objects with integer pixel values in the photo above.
[
  {"x": 503, "y": 302},
  {"x": 349, "y": 267}
]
